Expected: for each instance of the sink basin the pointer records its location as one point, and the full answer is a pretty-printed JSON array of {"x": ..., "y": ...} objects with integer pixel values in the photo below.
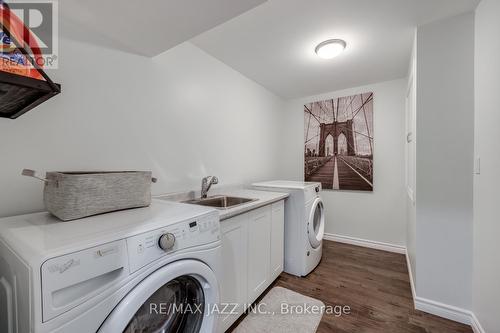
[{"x": 220, "y": 202}]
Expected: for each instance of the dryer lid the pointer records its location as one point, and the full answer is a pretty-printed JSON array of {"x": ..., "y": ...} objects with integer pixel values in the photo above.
[
  {"x": 39, "y": 236},
  {"x": 286, "y": 184}
]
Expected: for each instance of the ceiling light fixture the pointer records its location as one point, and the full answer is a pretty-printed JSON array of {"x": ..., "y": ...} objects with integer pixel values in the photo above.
[{"x": 330, "y": 48}]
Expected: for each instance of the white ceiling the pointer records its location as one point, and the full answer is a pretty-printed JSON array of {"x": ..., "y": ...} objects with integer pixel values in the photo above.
[
  {"x": 273, "y": 44},
  {"x": 145, "y": 27}
]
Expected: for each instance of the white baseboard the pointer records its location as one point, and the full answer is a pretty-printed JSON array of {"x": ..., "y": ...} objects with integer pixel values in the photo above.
[
  {"x": 449, "y": 312},
  {"x": 423, "y": 304},
  {"x": 443, "y": 310},
  {"x": 476, "y": 326},
  {"x": 365, "y": 243}
]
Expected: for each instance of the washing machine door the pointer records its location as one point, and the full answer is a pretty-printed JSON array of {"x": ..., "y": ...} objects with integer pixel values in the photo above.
[
  {"x": 316, "y": 224},
  {"x": 175, "y": 298}
]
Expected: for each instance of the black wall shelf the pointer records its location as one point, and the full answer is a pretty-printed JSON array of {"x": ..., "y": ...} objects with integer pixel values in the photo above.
[{"x": 19, "y": 94}]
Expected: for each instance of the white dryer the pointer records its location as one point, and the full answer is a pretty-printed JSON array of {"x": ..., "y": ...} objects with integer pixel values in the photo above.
[
  {"x": 304, "y": 224},
  {"x": 151, "y": 269}
]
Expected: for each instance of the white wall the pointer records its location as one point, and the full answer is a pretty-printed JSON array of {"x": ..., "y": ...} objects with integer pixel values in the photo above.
[
  {"x": 183, "y": 115},
  {"x": 445, "y": 127},
  {"x": 378, "y": 216},
  {"x": 486, "y": 279}
]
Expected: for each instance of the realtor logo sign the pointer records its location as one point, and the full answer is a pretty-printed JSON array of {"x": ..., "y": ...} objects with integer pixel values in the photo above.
[{"x": 40, "y": 17}]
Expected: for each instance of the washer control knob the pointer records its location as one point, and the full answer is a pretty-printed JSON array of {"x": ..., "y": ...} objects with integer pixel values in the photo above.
[
  {"x": 166, "y": 241},
  {"x": 317, "y": 189}
]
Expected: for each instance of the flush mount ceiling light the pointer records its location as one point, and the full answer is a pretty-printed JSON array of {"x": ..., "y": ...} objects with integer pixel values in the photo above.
[{"x": 330, "y": 48}]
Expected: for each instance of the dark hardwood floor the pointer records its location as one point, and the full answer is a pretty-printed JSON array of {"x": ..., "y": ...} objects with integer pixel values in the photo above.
[{"x": 374, "y": 284}]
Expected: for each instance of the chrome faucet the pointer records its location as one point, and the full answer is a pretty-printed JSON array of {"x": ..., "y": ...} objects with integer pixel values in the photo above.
[{"x": 206, "y": 183}]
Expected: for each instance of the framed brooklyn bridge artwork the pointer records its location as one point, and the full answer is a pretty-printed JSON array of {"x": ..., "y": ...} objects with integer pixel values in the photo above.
[{"x": 338, "y": 142}]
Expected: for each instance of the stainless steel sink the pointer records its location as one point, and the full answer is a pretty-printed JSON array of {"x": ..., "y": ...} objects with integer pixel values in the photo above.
[{"x": 220, "y": 202}]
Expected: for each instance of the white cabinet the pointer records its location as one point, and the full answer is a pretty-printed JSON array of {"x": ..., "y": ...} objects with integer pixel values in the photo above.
[
  {"x": 252, "y": 258},
  {"x": 277, "y": 239},
  {"x": 259, "y": 251},
  {"x": 234, "y": 277}
]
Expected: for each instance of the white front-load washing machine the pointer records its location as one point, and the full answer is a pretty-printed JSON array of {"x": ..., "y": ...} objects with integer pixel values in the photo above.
[
  {"x": 304, "y": 224},
  {"x": 151, "y": 269}
]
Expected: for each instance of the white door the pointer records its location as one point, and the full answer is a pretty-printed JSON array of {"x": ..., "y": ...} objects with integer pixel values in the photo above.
[
  {"x": 175, "y": 298},
  {"x": 277, "y": 239},
  {"x": 234, "y": 265},
  {"x": 259, "y": 247},
  {"x": 316, "y": 223}
]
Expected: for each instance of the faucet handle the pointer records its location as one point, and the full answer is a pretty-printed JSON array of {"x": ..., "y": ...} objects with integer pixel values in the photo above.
[{"x": 206, "y": 183}]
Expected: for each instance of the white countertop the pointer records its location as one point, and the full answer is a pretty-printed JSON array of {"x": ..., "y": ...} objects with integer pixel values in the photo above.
[{"x": 264, "y": 198}]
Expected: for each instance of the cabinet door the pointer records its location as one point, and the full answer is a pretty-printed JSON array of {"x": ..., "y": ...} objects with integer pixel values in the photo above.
[
  {"x": 233, "y": 285},
  {"x": 259, "y": 247},
  {"x": 277, "y": 239}
]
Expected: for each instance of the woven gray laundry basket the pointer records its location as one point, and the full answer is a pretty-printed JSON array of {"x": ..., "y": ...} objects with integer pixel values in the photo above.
[{"x": 73, "y": 195}]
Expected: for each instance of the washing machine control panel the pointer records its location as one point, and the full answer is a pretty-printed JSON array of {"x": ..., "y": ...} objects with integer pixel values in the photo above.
[
  {"x": 312, "y": 192},
  {"x": 153, "y": 245},
  {"x": 166, "y": 241}
]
